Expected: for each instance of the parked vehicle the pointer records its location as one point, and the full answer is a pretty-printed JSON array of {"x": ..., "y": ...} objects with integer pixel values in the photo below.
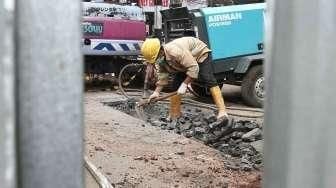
[{"x": 112, "y": 36}]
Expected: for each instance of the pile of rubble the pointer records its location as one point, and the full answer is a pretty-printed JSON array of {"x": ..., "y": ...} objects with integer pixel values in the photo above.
[{"x": 239, "y": 141}]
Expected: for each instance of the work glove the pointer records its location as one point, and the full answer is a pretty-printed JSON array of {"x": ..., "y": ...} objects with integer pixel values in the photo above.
[
  {"x": 154, "y": 95},
  {"x": 182, "y": 89}
]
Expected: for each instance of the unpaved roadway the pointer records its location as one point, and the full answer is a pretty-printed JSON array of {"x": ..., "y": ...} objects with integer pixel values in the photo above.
[{"x": 133, "y": 154}]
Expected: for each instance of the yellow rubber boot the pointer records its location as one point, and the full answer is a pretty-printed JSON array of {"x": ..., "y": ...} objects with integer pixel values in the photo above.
[
  {"x": 175, "y": 107},
  {"x": 219, "y": 101}
]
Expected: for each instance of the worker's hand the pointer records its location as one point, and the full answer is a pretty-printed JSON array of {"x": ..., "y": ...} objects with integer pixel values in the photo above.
[
  {"x": 154, "y": 95},
  {"x": 182, "y": 89}
]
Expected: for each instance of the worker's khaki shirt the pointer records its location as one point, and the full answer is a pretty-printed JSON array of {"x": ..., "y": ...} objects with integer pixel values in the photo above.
[{"x": 182, "y": 55}]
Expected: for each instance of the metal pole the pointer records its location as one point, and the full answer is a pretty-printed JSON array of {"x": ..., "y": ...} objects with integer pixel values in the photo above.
[
  {"x": 7, "y": 117},
  {"x": 300, "y": 107},
  {"x": 49, "y": 93}
]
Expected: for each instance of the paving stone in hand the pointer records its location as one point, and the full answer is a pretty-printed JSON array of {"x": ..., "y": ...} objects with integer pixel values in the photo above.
[
  {"x": 216, "y": 124},
  {"x": 210, "y": 118}
]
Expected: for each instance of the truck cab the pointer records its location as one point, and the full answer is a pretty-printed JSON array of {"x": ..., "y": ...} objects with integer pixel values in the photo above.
[
  {"x": 112, "y": 37},
  {"x": 235, "y": 35}
]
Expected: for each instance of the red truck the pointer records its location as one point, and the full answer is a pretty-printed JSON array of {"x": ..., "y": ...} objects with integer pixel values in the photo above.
[{"x": 112, "y": 36}]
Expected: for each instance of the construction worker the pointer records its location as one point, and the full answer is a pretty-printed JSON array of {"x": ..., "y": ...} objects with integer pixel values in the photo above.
[{"x": 189, "y": 59}]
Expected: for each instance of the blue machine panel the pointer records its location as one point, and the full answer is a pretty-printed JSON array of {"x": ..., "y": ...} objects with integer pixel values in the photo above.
[{"x": 236, "y": 30}]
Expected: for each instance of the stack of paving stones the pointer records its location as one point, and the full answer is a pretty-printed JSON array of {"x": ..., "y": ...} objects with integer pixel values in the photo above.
[{"x": 240, "y": 141}]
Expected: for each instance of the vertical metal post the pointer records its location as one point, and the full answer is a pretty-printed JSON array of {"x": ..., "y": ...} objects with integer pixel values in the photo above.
[
  {"x": 49, "y": 67},
  {"x": 157, "y": 18},
  {"x": 300, "y": 107},
  {"x": 7, "y": 117}
]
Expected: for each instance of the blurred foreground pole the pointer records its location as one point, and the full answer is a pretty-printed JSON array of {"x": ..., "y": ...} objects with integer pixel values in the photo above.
[
  {"x": 7, "y": 117},
  {"x": 300, "y": 120},
  {"x": 49, "y": 86}
]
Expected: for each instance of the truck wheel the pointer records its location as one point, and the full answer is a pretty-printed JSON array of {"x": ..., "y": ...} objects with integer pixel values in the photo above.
[
  {"x": 253, "y": 87},
  {"x": 200, "y": 91}
]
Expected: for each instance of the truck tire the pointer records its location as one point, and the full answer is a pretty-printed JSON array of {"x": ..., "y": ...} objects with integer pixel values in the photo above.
[{"x": 253, "y": 87}]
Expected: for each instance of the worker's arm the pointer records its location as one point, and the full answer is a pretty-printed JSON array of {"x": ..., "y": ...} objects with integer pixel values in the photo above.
[
  {"x": 163, "y": 75},
  {"x": 184, "y": 86},
  {"x": 158, "y": 89},
  {"x": 188, "y": 80},
  {"x": 162, "y": 81}
]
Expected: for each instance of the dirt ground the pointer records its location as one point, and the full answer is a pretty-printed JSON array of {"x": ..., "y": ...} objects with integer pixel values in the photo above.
[{"x": 133, "y": 154}]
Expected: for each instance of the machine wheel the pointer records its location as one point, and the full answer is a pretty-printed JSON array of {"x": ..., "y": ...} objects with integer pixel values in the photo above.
[
  {"x": 200, "y": 91},
  {"x": 253, "y": 87}
]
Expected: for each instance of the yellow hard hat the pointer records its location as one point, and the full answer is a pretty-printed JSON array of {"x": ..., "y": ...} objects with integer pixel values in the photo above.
[{"x": 150, "y": 49}]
